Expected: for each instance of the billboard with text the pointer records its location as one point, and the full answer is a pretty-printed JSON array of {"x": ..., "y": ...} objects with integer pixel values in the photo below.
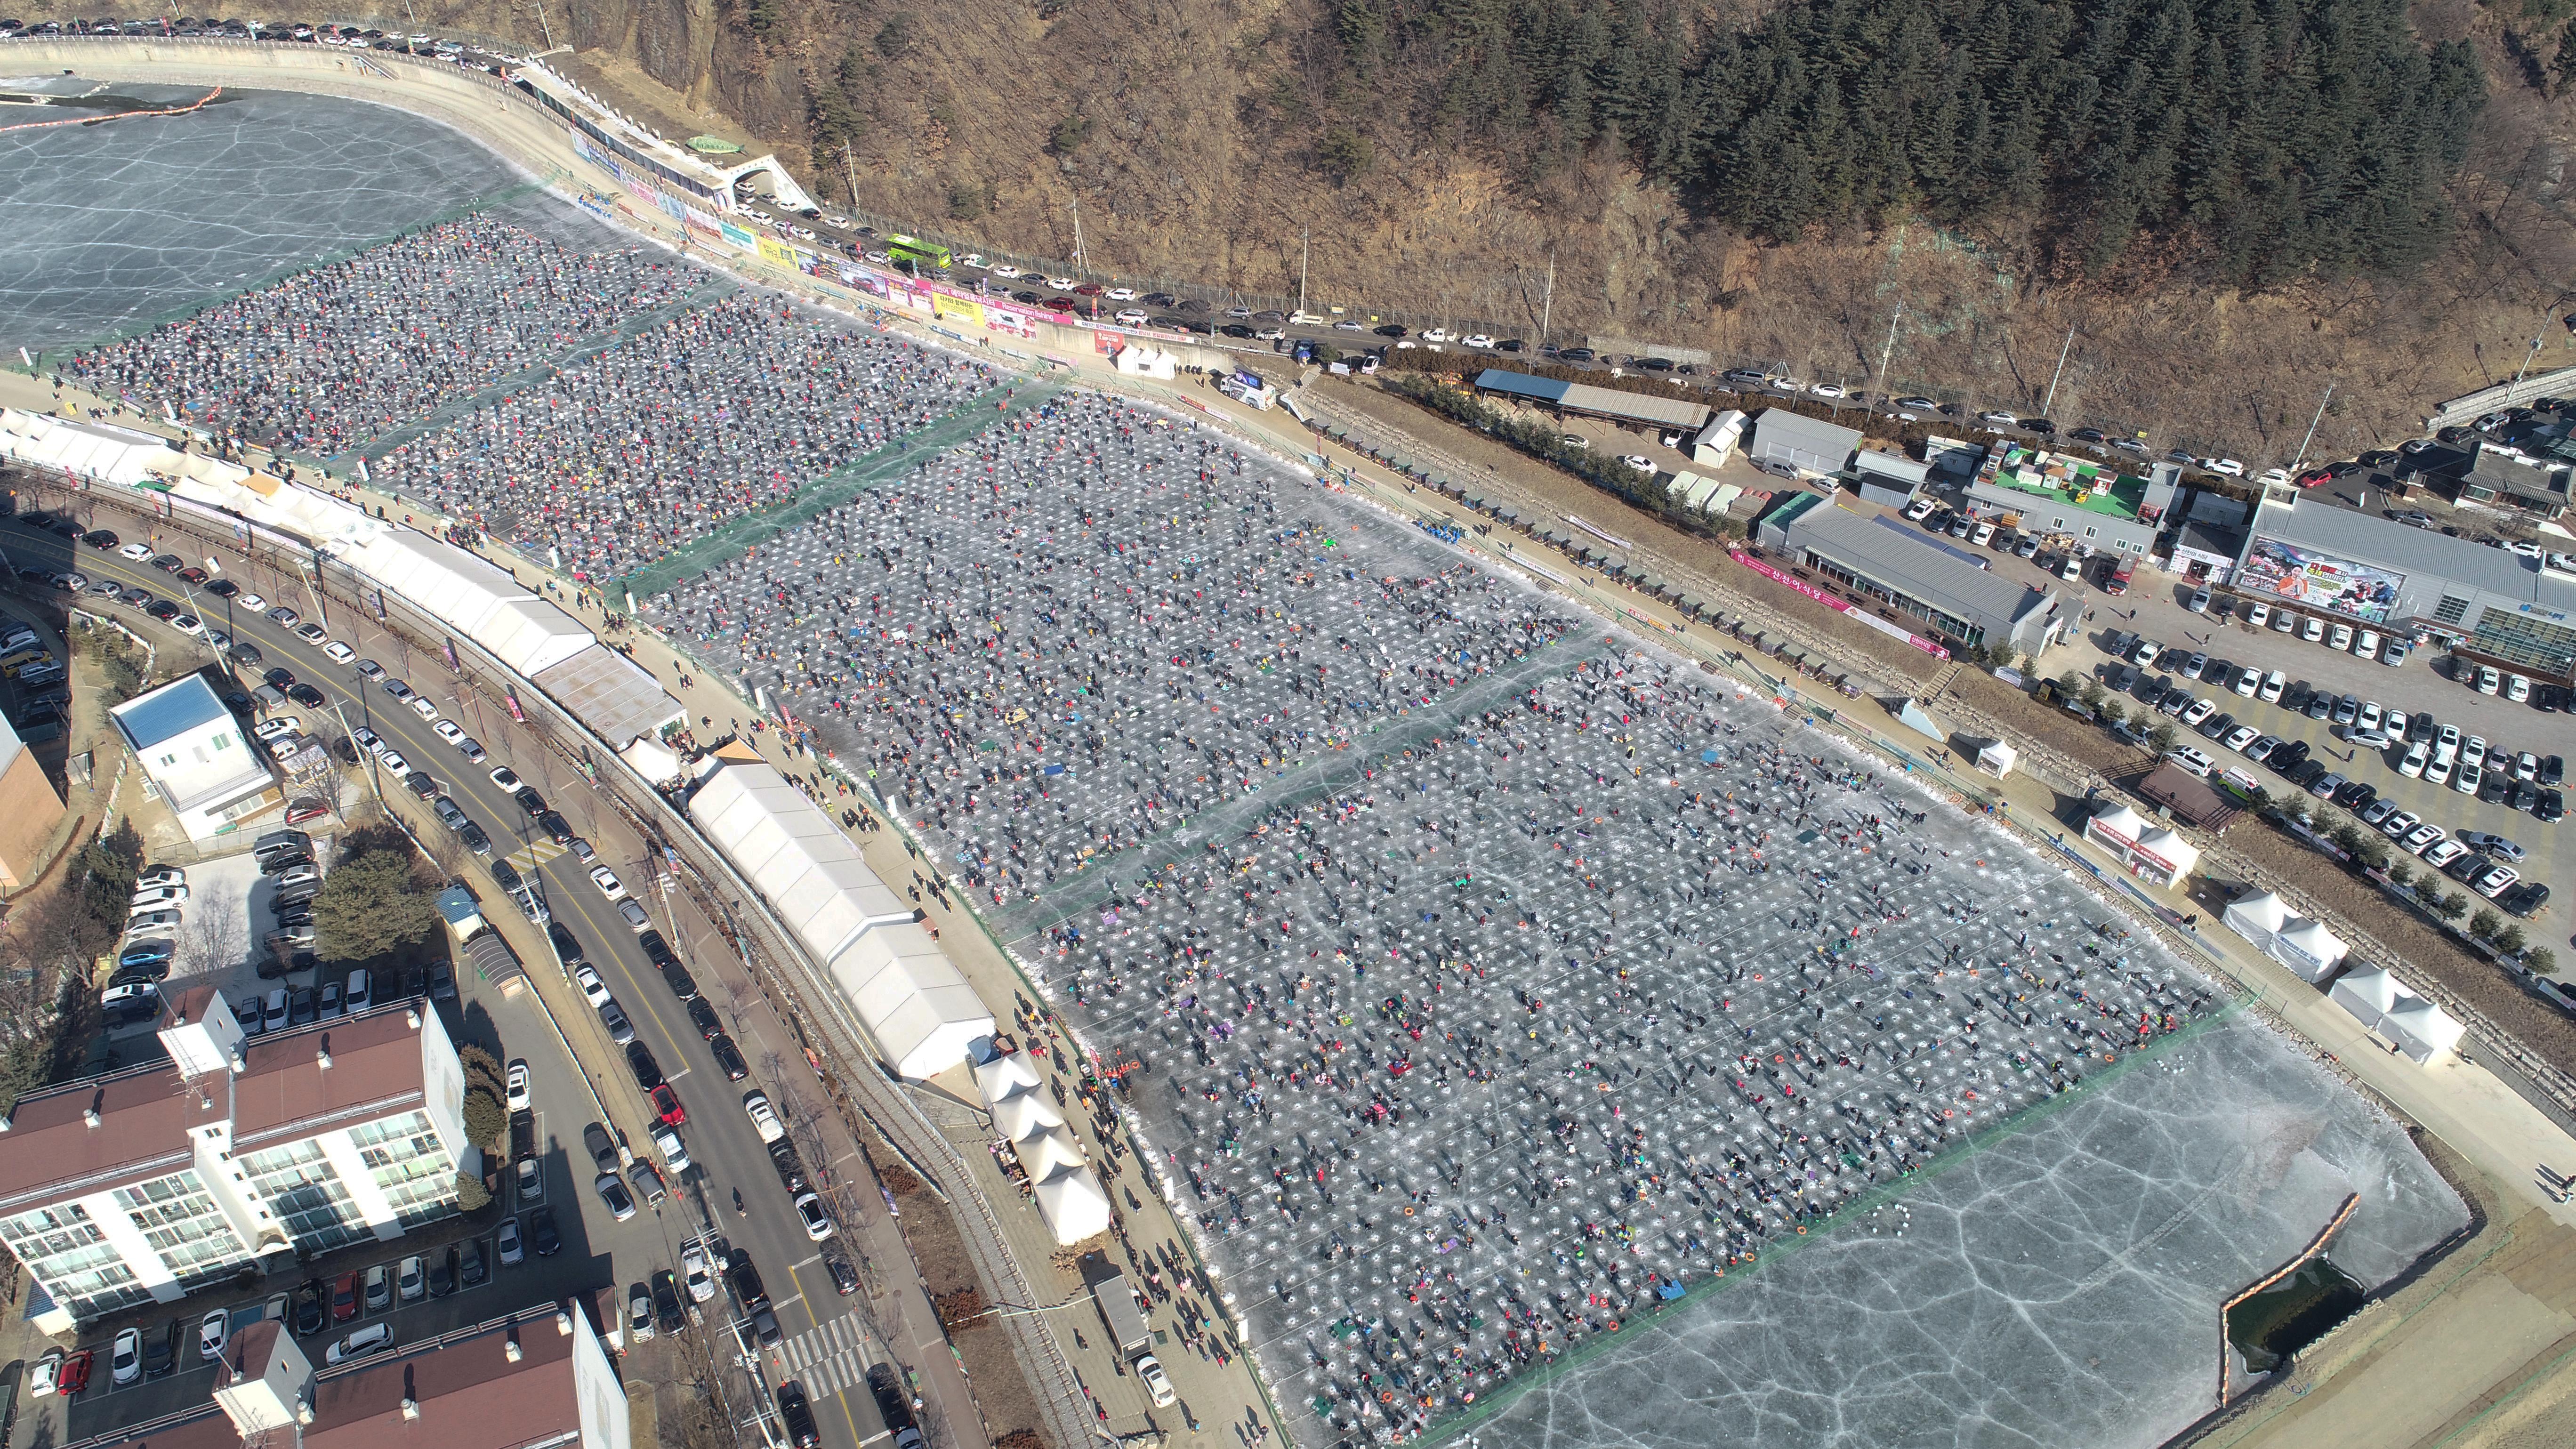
[{"x": 2316, "y": 580}]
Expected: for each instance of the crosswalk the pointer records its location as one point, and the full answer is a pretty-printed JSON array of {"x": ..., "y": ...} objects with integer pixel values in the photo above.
[
  {"x": 827, "y": 1358},
  {"x": 535, "y": 853}
]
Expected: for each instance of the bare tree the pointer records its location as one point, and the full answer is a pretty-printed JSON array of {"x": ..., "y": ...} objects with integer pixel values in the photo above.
[{"x": 214, "y": 934}]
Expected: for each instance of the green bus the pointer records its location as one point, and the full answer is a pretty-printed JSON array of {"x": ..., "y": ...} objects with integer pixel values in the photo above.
[{"x": 920, "y": 255}]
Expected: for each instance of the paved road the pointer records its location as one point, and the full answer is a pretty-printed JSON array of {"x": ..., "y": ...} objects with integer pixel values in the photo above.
[{"x": 727, "y": 1154}]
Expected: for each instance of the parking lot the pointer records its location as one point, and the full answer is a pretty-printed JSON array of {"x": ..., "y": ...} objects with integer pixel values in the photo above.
[
  {"x": 415, "y": 1287},
  {"x": 2157, "y": 607}
]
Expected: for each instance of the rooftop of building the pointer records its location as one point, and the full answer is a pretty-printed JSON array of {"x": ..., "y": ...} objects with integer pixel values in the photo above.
[
  {"x": 1772, "y": 425},
  {"x": 1904, "y": 562},
  {"x": 1583, "y": 397},
  {"x": 53, "y": 1151},
  {"x": 463, "y": 1388},
  {"x": 167, "y": 713},
  {"x": 2069, "y": 480},
  {"x": 2347, "y": 533}
]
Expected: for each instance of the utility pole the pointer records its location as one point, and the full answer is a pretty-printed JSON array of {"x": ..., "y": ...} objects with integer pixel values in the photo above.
[
  {"x": 543, "y": 26},
  {"x": 1305, "y": 245},
  {"x": 2533, "y": 352},
  {"x": 2312, "y": 429},
  {"x": 1077, "y": 231},
  {"x": 1547, "y": 301},
  {"x": 2051, "y": 400},
  {"x": 850, "y": 168}
]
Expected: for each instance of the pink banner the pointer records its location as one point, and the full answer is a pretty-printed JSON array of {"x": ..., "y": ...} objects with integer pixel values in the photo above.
[{"x": 1842, "y": 606}]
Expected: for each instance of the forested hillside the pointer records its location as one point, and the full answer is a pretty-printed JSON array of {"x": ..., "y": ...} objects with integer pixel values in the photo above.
[{"x": 2216, "y": 207}]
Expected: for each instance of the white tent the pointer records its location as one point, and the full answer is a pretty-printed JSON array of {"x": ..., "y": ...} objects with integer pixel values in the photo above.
[
  {"x": 1005, "y": 1076},
  {"x": 652, "y": 760},
  {"x": 1073, "y": 1205},
  {"x": 2368, "y": 993},
  {"x": 2308, "y": 948},
  {"x": 2420, "y": 1029},
  {"x": 2116, "y": 828},
  {"x": 1025, "y": 1114},
  {"x": 2162, "y": 856},
  {"x": 810, "y": 871},
  {"x": 1997, "y": 758},
  {"x": 910, "y": 997},
  {"x": 1048, "y": 1150},
  {"x": 2257, "y": 917},
  {"x": 484, "y": 601}
]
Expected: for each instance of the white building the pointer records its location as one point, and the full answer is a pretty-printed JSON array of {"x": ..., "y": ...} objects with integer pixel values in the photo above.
[
  {"x": 197, "y": 757},
  {"x": 147, "y": 1184}
]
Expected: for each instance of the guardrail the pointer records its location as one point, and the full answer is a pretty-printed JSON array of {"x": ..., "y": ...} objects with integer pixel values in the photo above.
[{"x": 2503, "y": 395}]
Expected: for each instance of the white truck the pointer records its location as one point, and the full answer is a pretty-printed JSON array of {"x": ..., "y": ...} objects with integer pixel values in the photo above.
[{"x": 1125, "y": 1317}]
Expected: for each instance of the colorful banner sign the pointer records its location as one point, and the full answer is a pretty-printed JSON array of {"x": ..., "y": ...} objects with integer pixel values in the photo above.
[
  {"x": 2320, "y": 580},
  {"x": 943, "y": 305},
  {"x": 1841, "y": 606}
]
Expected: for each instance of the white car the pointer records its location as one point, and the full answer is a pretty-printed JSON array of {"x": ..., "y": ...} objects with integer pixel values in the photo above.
[
  {"x": 2422, "y": 838},
  {"x": 1827, "y": 389},
  {"x": 277, "y": 727},
  {"x": 1120, "y": 294},
  {"x": 675, "y": 1153},
  {"x": 608, "y": 883},
  {"x": 2228, "y": 466},
  {"x": 1000, "y": 269},
  {"x": 2192, "y": 761},
  {"x": 374, "y": 1338},
  {"x": 1133, "y": 317},
  {"x": 2273, "y": 685},
  {"x": 213, "y": 1331},
  {"x": 764, "y": 1118},
  {"x": 447, "y": 729},
  {"x": 1062, "y": 284},
  {"x": 516, "y": 1085},
  {"x": 2201, "y": 709},
  {"x": 1439, "y": 334},
  {"x": 421, "y": 706},
  {"x": 2442, "y": 852},
  {"x": 153, "y": 898},
  {"x": 593, "y": 990},
  {"x": 393, "y": 761},
  {"x": 506, "y": 779},
  {"x": 125, "y": 1360},
  {"x": 2248, "y": 680},
  {"x": 135, "y": 551},
  {"x": 693, "y": 1271},
  {"x": 818, "y": 1223},
  {"x": 369, "y": 741},
  {"x": 252, "y": 602},
  {"x": 1480, "y": 339},
  {"x": 1638, "y": 461},
  {"x": 2418, "y": 755},
  {"x": 339, "y": 653}
]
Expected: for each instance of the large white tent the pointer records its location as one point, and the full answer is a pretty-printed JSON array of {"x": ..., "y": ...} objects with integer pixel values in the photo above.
[
  {"x": 2162, "y": 856},
  {"x": 484, "y": 601},
  {"x": 2308, "y": 948},
  {"x": 1001, "y": 1077},
  {"x": 2257, "y": 917},
  {"x": 2117, "y": 827},
  {"x": 1025, "y": 1114},
  {"x": 2421, "y": 1030},
  {"x": 905, "y": 990},
  {"x": 2368, "y": 993},
  {"x": 1073, "y": 1205}
]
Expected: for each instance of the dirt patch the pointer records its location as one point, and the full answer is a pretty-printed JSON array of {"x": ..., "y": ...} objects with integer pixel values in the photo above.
[{"x": 1001, "y": 1390}]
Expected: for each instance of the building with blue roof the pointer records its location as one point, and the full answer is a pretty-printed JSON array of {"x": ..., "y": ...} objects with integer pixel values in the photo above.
[{"x": 197, "y": 757}]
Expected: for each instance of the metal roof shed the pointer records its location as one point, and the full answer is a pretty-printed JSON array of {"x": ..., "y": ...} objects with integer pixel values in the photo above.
[{"x": 1805, "y": 443}]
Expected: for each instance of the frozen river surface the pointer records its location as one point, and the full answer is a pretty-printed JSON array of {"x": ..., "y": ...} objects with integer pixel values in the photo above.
[
  {"x": 114, "y": 226},
  {"x": 1498, "y": 979}
]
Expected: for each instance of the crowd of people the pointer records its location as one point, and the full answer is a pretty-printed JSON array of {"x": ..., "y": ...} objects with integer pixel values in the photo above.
[
  {"x": 631, "y": 454},
  {"x": 327, "y": 359},
  {"x": 1499, "y": 981}
]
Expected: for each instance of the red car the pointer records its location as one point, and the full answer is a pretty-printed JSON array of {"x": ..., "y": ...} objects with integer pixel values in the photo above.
[
  {"x": 2315, "y": 476},
  {"x": 74, "y": 1375},
  {"x": 667, "y": 1103},
  {"x": 344, "y": 1298}
]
